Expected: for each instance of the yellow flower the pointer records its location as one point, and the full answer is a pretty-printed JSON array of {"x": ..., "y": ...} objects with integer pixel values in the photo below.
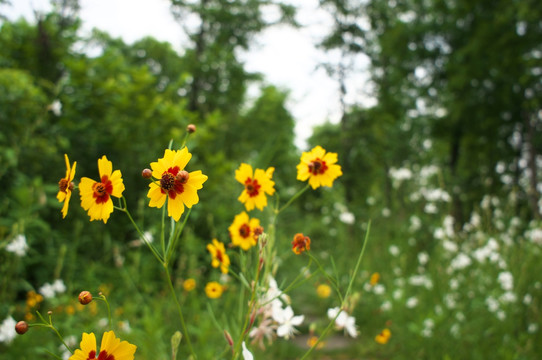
[
  {"x": 313, "y": 340},
  {"x": 220, "y": 258},
  {"x": 213, "y": 290},
  {"x": 375, "y": 277},
  {"x": 33, "y": 299},
  {"x": 242, "y": 231},
  {"x": 383, "y": 337},
  {"x": 323, "y": 291},
  {"x": 318, "y": 167},
  {"x": 111, "y": 348},
  {"x": 65, "y": 186},
  {"x": 96, "y": 196},
  {"x": 174, "y": 184},
  {"x": 257, "y": 184},
  {"x": 189, "y": 284}
]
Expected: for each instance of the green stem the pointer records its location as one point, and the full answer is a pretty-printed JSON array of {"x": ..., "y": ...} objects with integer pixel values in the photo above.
[
  {"x": 153, "y": 250},
  {"x": 298, "y": 194},
  {"x": 350, "y": 284},
  {"x": 178, "y": 305},
  {"x": 173, "y": 240},
  {"x": 331, "y": 280},
  {"x": 104, "y": 299}
]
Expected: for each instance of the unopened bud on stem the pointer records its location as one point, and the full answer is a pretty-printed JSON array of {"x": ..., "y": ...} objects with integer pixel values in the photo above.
[
  {"x": 85, "y": 297},
  {"x": 146, "y": 173},
  {"x": 21, "y": 327},
  {"x": 191, "y": 128}
]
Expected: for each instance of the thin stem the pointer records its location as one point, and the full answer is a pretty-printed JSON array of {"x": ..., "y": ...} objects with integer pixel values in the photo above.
[
  {"x": 104, "y": 299},
  {"x": 178, "y": 305},
  {"x": 331, "y": 280},
  {"x": 153, "y": 250},
  {"x": 49, "y": 324},
  {"x": 173, "y": 240},
  {"x": 350, "y": 284},
  {"x": 296, "y": 195}
]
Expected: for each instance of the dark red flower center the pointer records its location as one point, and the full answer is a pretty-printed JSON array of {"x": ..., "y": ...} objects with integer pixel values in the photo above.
[
  {"x": 244, "y": 230},
  {"x": 103, "y": 355},
  {"x": 102, "y": 190},
  {"x": 172, "y": 181},
  {"x": 317, "y": 166},
  {"x": 63, "y": 185},
  {"x": 252, "y": 187},
  {"x": 219, "y": 255}
]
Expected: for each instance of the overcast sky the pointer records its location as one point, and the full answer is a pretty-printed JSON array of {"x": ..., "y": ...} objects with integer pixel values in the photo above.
[{"x": 287, "y": 57}]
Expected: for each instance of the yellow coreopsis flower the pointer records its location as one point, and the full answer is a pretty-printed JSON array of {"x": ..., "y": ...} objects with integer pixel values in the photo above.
[
  {"x": 174, "y": 183},
  {"x": 96, "y": 196},
  {"x": 213, "y": 290},
  {"x": 323, "y": 291},
  {"x": 242, "y": 231},
  {"x": 220, "y": 258},
  {"x": 189, "y": 284},
  {"x": 111, "y": 348},
  {"x": 319, "y": 167},
  {"x": 383, "y": 337},
  {"x": 65, "y": 186},
  {"x": 257, "y": 184}
]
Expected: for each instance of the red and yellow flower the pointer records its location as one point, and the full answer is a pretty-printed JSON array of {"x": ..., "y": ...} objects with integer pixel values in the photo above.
[
  {"x": 110, "y": 349},
  {"x": 243, "y": 231},
  {"x": 174, "y": 183},
  {"x": 96, "y": 196},
  {"x": 301, "y": 243},
  {"x": 257, "y": 184},
  {"x": 318, "y": 167},
  {"x": 220, "y": 258},
  {"x": 65, "y": 186}
]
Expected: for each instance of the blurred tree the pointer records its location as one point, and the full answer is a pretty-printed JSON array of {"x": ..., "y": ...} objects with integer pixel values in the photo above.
[{"x": 218, "y": 30}]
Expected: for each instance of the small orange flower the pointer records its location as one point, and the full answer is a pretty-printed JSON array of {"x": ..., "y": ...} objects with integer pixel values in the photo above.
[
  {"x": 383, "y": 337},
  {"x": 323, "y": 291},
  {"x": 375, "y": 277},
  {"x": 301, "y": 243}
]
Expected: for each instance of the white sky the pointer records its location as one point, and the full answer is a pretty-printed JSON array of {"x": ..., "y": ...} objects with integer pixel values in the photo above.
[{"x": 287, "y": 57}]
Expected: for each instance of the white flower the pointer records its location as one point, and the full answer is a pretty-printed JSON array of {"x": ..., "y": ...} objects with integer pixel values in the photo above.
[
  {"x": 506, "y": 280},
  {"x": 379, "y": 289},
  {"x": 412, "y": 302},
  {"x": 7, "y": 330},
  {"x": 386, "y": 306},
  {"x": 56, "y": 107},
  {"x": 18, "y": 245},
  {"x": 47, "y": 291},
  {"x": 423, "y": 258},
  {"x": 386, "y": 212},
  {"x": 461, "y": 261},
  {"x": 347, "y": 218},
  {"x": 394, "y": 250},
  {"x": 287, "y": 321},
  {"x": 343, "y": 321},
  {"x": 58, "y": 286},
  {"x": 247, "y": 355},
  {"x": 430, "y": 208},
  {"x": 415, "y": 223}
]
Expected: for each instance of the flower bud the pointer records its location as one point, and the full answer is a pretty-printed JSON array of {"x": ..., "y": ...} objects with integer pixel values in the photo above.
[
  {"x": 182, "y": 176},
  {"x": 85, "y": 297},
  {"x": 21, "y": 327},
  {"x": 228, "y": 338},
  {"x": 146, "y": 173},
  {"x": 191, "y": 128}
]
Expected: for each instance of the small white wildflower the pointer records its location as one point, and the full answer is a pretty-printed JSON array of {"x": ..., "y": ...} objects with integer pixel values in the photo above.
[
  {"x": 532, "y": 328},
  {"x": 412, "y": 302},
  {"x": 461, "y": 261},
  {"x": 508, "y": 297},
  {"x": 460, "y": 316},
  {"x": 343, "y": 321},
  {"x": 454, "y": 284},
  {"x": 56, "y": 107},
  {"x": 18, "y": 245},
  {"x": 347, "y": 218},
  {"x": 58, "y": 286},
  {"x": 439, "y": 233},
  {"x": 492, "y": 304},
  {"x": 386, "y": 212},
  {"x": 287, "y": 321},
  {"x": 430, "y": 208},
  {"x": 421, "y": 280},
  {"x": 47, "y": 290},
  {"x": 450, "y": 246},
  {"x": 379, "y": 289},
  {"x": 415, "y": 223},
  {"x": 423, "y": 258},
  {"x": 527, "y": 299},
  {"x": 386, "y": 306},
  {"x": 7, "y": 330},
  {"x": 455, "y": 330},
  {"x": 397, "y": 294},
  {"x": 501, "y": 315},
  {"x": 394, "y": 250},
  {"x": 247, "y": 355},
  {"x": 506, "y": 280}
]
